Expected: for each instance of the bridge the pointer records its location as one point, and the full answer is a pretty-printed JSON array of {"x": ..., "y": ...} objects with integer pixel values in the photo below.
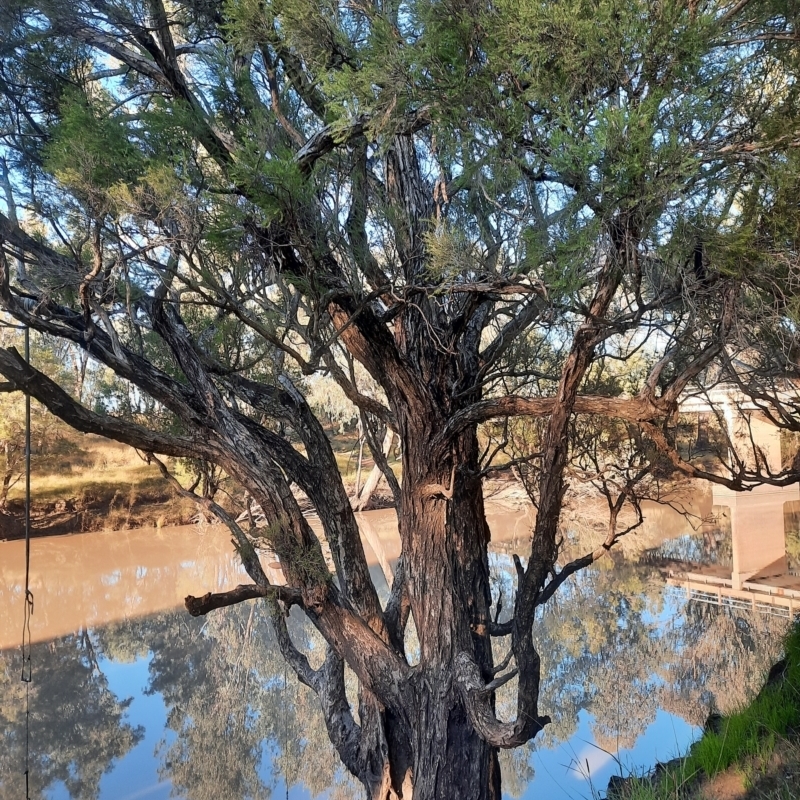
[{"x": 759, "y": 576}]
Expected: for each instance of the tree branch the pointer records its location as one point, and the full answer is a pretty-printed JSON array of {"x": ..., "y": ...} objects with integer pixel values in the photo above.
[
  {"x": 358, "y": 399},
  {"x": 49, "y": 317},
  {"x": 246, "y": 551},
  {"x": 320, "y": 479},
  {"x": 336, "y": 135},
  {"x": 479, "y": 703},
  {"x": 584, "y": 561},
  {"x": 634, "y": 409},
  {"x": 744, "y": 481},
  {"x": 28, "y": 379},
  {"x": 733, "y": 11},
  {"x": 200, "y": 606}
]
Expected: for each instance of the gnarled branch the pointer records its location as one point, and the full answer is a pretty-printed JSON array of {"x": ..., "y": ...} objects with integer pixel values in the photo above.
[
  {"x": 200, "y": 606},
  {"x": 478, "y": 701},
  {"x": 28, "y": 379}
]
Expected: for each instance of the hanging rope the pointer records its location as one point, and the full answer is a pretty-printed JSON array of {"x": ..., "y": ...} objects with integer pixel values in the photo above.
[
  {"x": 285, "y": 732},
  {"x": 28, "y": 612}
]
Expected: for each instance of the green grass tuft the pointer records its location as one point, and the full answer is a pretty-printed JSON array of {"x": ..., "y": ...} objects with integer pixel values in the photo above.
[
  {"x": 752, "y": 732},
  {"x": 746, "y": 739}
]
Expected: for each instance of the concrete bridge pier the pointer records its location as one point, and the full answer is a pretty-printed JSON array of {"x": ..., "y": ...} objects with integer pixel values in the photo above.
[
  {"x": 759, "y": 577},
  {"x": 757, "y": 528}
]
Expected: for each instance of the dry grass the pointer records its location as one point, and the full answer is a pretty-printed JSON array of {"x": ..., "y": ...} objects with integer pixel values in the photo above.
[
  {"x": 85, "y": 464},
  {"x": 88, "y": 483},
  {"x": 345, "y": 449}
]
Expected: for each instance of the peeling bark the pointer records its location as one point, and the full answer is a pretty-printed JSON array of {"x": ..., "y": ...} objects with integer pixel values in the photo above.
[{"x": 419, "y": 330}]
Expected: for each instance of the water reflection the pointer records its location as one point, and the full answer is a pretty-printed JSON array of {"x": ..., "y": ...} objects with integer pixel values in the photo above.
[
  {"x": 162, "y": 705},
  {"x": 78, "y": 726}
]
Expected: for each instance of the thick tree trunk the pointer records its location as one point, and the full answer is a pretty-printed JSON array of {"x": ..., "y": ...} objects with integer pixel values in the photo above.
[
  {"x": 446, "y": 539},
  {"x": 451, "y": 759}
]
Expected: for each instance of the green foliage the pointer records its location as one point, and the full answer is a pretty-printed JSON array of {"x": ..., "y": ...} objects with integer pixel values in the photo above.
[
  {"x": 451, "y": 254},
  {"x": 303, "y": 560},
  {"x": 220, "y": 175},
  {"x": 90, "y": 152}
]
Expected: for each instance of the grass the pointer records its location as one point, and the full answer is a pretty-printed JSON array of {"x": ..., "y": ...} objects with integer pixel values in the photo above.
[
  {"x": 345, "y": 449},
  {"x": 86, "y": 465},
  {"x": 88, "y": 482},
  {"x": 752, "y": 732},
  {"x": 758, "y": 744}
]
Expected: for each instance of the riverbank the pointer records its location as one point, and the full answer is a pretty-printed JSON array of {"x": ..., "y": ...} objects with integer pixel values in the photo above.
[
  {"x": 90, "y": 483},
  {"x": 753, "y": 754}
]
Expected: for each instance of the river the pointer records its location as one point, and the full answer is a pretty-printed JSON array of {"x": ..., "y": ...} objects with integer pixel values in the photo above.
[{"x": 132, "y": 698}]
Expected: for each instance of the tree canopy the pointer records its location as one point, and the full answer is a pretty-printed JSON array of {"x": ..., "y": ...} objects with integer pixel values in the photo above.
[{"x": 573, "y": 212}]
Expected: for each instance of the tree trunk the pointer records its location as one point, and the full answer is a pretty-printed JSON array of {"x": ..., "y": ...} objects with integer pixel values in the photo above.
[
  {"x": 8, "y": 474},
  {"x": 5, "y": 487},
  {"x": 446, "y": 539},
  {"x": 451, "y": 759},
  {"x": 363, "y": 496},
  {"x": 10, "y": 528}
]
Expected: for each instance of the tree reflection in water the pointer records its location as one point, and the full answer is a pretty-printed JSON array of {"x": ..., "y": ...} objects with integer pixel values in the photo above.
[
  {"x": 620, "y": 646},
  {"x": 616, "y": 645},
  {"x": 77, "y": 726},
  {"x": 241, "y": 723}
]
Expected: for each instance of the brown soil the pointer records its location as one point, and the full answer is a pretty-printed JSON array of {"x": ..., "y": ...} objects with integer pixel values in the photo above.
[
  {"x": 779, "y": 779},
  {"x": 118, "y": 506},
  {"x": 728, "y": 785},
  {"x": 101, "y": 510},
  {"x": 84, "y": 483}
]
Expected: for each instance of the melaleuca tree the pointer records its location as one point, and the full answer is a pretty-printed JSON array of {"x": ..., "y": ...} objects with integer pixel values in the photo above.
[{"x": 477, "y": 203}]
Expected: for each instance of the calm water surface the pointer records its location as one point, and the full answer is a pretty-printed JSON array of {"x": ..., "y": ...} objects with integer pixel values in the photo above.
[{"x": 132, "y": 698}]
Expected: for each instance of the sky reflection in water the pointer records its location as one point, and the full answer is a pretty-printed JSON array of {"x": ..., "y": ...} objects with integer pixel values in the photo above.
[{"x": 160, "y": 705}]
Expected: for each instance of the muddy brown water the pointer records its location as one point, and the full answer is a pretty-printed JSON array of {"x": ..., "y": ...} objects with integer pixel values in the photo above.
[
  {"x": 131, "y": 697},
  {"x": 89, "y": 579}
]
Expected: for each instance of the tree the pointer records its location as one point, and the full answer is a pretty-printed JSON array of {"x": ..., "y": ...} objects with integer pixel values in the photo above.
[{"x": 484, "y": 206}]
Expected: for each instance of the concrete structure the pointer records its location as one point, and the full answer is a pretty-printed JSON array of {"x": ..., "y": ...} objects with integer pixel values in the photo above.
[
  {"x": 757, "y": 530},
  {"x": 758, "y": 537},
  {"x": 759, "y": 579},
  {"x": 779, "y": 595}
]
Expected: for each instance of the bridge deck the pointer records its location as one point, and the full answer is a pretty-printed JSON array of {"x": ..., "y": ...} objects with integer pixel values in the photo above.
[{"x": 777, "y": 594}]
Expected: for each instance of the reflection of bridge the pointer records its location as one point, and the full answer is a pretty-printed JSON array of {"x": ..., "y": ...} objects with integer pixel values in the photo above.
[
  {"x": 779, "y": 595},
  {"x": 758, "y": 537},
  {"x": 759, "y": 577}
]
